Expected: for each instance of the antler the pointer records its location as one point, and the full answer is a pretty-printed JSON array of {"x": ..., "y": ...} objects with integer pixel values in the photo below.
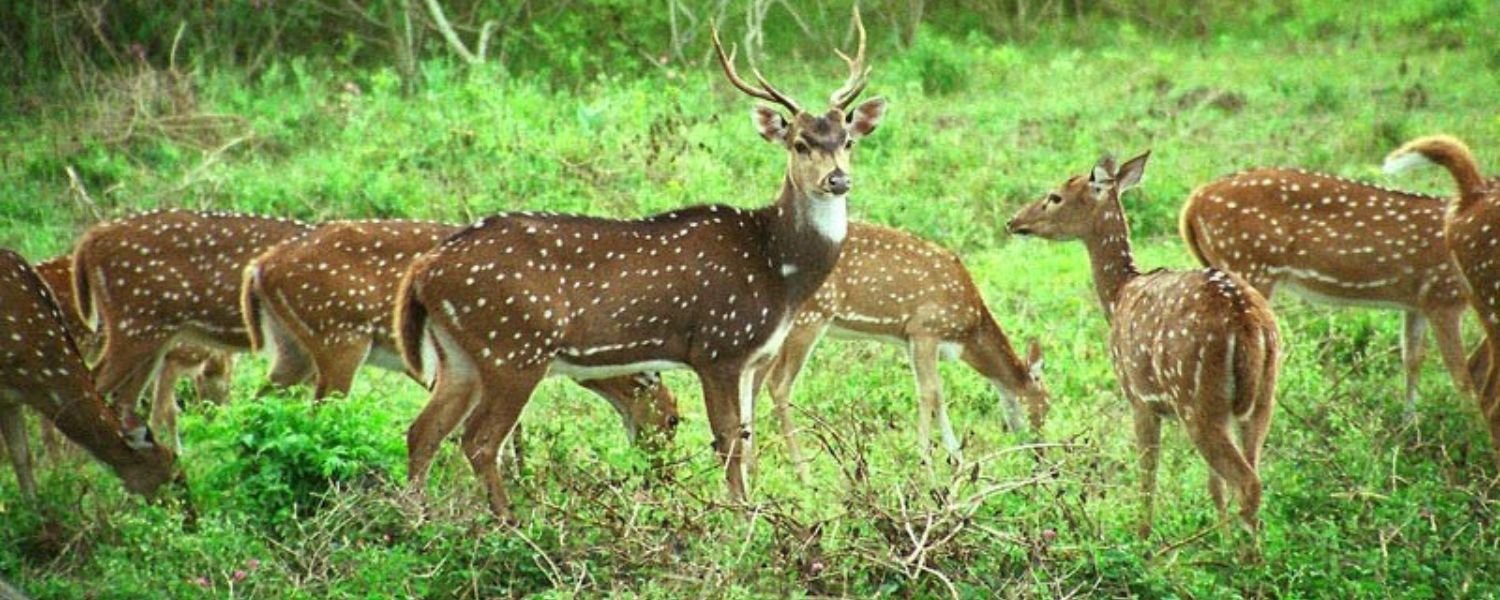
[
  {"x": 765, "y": 92},
  {"x": 859, "y": 74}
]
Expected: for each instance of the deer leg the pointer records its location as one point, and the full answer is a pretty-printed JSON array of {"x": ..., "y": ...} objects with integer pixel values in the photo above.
[
  {"x": 13, "y": 429},
  {"x": 1446, "y": 329},
  {"x": 164, "y": 405},
  {"x": 782, "y": 377},
  {"x": 518, "y": 447},
  {"x": 1478, "y": 366},
  {"x": 452, "y": 399},
  {"x": 1210, "y": 435},
  {"x": 213, "y": 378},
  {"x": 124, "y": 373},
  {"x": 51, "y": 439},
  {"x": 721, "y": 401},
  {"x": 922, "y": 353},
  {"x": 1413, "y": 350},
  {"x": 1148, "y": 444},
  {"x": 503, "y": 394},
  {"x": 290, "y": 362},
  {"x": 337, "y": 365}
]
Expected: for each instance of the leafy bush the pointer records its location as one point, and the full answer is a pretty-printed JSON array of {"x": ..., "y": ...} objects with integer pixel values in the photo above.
[{"x": 281, "y": 454}]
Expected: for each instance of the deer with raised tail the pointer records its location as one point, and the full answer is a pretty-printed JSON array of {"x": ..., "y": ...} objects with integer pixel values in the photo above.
[
  {"x": 894, "y": 287},
  {"x": 497, "y": 307},
  {"x": 1200, "y": 345},
  {"x": 321, "y": 306},
  {"x": 1471, "y": 227},
  {"x": 1334, "y": 240},
  {"x": 147, "y": 282},
  {"x": 41, "y": 367}
]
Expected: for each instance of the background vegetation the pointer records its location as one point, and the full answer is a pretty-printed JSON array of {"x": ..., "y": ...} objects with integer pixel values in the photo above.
[{"x": 330, "y": 109}]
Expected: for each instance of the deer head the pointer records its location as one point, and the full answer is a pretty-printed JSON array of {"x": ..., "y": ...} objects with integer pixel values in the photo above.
[
  {"x": 1075, "y": 210},
  {"x": 818, "y": 145},
  {"x": 645, "y": 405}
]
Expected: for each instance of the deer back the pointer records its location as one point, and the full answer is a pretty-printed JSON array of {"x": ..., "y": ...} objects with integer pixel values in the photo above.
[
  {"x": 1326, "y": 236},
  {"x": 340, "y": 280},
  {"x": 164, "y": 272},
  {"x": 691, "y": 286}
]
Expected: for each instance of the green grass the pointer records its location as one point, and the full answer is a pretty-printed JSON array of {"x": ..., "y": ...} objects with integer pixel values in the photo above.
[{"x": 1358, "y": 504}]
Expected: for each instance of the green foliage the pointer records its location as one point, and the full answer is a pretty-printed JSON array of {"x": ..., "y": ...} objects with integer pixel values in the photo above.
[
  {"x": 282, "y": 455},
  {"x": 989, "y": 110}
]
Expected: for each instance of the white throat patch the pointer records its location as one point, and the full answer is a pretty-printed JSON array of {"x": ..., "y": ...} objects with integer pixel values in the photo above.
[{"x": 830, "y": 217}]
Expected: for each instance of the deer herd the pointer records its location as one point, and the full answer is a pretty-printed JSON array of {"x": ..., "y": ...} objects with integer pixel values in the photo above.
[{"x": 481, "y": 314}]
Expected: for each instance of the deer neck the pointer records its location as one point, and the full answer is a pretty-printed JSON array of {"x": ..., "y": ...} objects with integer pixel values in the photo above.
[
  {"x": 1110, "y": 256},
  {"x": 806, "y": 236}
]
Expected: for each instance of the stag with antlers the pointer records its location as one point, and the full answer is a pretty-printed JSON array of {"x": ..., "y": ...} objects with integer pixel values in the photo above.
[
  {"x": 1198, "y": 345},
  {"x": 490, "y": 312}
]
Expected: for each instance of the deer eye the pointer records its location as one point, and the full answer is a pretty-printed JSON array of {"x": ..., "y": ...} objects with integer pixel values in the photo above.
[
  {"x": 800, "y": 147},
  {"x": 1054, "y": 198}
]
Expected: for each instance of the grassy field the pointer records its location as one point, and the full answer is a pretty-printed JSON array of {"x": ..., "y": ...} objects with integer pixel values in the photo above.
[{"x": 297, "y": 500}]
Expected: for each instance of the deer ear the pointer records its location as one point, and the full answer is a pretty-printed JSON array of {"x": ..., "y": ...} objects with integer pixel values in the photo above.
[
  {"x": 1034, "y": 359},
  {"x": 1102, "y": 175},
  {"x": 865, "y": 117},
  {"x": 769, "y": 123},
  {"x": 139, "y": 438},
  {"x": 1130, "y": 173}
]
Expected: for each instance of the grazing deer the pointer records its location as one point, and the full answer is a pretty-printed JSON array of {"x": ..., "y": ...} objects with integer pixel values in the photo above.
[
  {"x": 1471, "y": 227},
  {"x": 41, "y": 367},
  {"x": 891, "y": 286},
  {"x": 321, "y": 306},
  {"x": 498, "y": 306},
  {"x": 208, "y": 368},
  {"x": 149, "y": 281},
  {"x": 1331, "y": 239},
  {"x": 1198, "y": 345}
]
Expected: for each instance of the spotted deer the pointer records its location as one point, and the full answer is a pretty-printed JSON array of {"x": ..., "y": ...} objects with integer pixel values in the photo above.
[
  {"x": 1197, "y": 345},
  {"x": 500, "y": 305},
  {"x": 146, "y": 282},
  {"x": 1330, "y": 239},
  {"x": 1471, "y": 227},
  {"x": 894, "y": 287},
  {"x": 41, "y": 367},
  {"x": 209, "y": 369},
  {"x": 321, "y": 305}
]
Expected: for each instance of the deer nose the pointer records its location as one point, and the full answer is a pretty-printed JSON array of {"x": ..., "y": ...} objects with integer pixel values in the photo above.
[
  {"x": 838, "y": 182},
  {"x": 672, "y": 421}
]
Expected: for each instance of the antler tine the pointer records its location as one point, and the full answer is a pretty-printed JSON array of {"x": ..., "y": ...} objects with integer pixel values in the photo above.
[
  {"x": 784, "y": 99},
  {"x": 858, "y": 72},
  {"x": 766, "y": 92}
]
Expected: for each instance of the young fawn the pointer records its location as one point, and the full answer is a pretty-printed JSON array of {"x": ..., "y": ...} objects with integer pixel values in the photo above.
[
  {"x": 1200, "y": 345},
  {"x": 894, "y": 287},
  {"x": 1471, "y": 228},
  {"x": 490, "y": 312},
  {"x": 42, "y": 367},
  {"x": 1334, "y": 240}
]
